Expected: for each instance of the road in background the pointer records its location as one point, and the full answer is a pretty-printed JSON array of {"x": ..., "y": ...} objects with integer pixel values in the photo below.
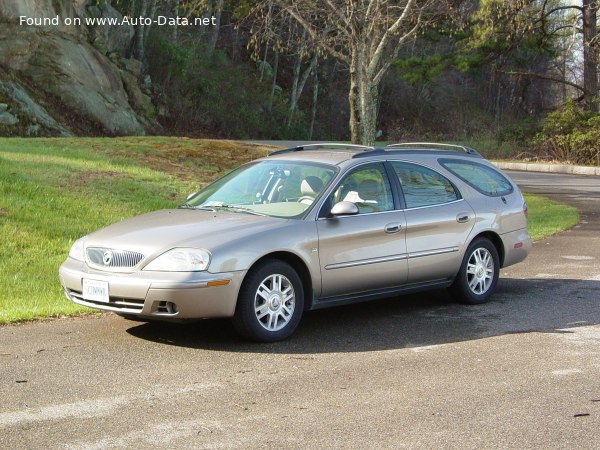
[{"x": 417, "y": 371}]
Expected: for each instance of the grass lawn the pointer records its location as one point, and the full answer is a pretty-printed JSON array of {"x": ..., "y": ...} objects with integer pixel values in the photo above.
[
  {"x": 53, "y": 191},
  {"x": 547, "y": 217}
]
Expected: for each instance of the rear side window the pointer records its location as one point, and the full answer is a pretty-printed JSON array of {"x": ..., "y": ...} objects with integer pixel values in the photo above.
[
  {"x": 483, "y": 178},
  {"x": 422, "y": 186}
]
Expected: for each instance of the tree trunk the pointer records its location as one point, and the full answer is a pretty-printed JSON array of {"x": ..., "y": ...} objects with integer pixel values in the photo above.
[
  {"x": 299, "y": 82},
  {"x": 293, "y": 94},
  {"x": 138, "y": 38},
  {"x": 175, "y": 14},
  {"x": 216, "y": 29},
  {"x": 274, "y": 81},
  {"x": 590, "y": 60},
  {"x": 313, "y": 112},
  {"x": 264, "y": 63},
  {"x": 362, "y": 98},
  {"x": 207, "y": 15},
  {"x": 153, "y": 11}
]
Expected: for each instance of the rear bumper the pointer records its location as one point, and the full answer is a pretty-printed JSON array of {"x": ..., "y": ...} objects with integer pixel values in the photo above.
[
  {"x": 157, "y": 295},
  {"x": 517, "y": 245}
]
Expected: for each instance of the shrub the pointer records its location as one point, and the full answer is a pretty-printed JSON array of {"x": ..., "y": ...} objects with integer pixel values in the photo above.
[{"x": 570, "y": 134}]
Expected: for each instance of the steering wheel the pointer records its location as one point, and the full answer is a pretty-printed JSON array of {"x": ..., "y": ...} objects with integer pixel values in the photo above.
[{"x": 306, "y": 198}]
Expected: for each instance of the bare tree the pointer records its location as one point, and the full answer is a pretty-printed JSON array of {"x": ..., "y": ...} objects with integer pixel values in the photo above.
[
  {"x": 364, "y": 35},
  {"x": 215, "y": 29},
  {"x": 300, "y": 78},
  {"x": 315, "y": 99},
  {"x": 556, "y": 20},
  {"x": 590, "y": 54}
]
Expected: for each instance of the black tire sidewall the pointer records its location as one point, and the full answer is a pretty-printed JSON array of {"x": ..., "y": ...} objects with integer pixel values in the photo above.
[
  {"x": 244, "y": 319},
  {"x": 460, "y": 289}
]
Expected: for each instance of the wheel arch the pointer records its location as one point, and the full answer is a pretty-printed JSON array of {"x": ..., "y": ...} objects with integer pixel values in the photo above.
[
  {"x": 298, "y": 265},
  {"x": 496, "y": 240}
]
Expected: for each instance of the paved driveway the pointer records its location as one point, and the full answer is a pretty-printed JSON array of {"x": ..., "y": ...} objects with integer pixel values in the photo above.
[{"x": 419, "y": 372}]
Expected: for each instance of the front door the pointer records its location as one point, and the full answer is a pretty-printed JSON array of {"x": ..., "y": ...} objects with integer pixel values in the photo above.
[{"x": 367, "y": 251}]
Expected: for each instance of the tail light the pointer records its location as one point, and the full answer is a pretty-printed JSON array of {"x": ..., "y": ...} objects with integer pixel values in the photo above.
[{"x": 525, "y": 210}]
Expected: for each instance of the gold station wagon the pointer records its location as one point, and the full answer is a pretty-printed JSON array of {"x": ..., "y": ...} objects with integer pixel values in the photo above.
[{"x": 305, "y": 228}]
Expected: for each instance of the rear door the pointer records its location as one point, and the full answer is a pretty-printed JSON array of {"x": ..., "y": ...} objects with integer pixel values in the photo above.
[
  {"x": 367, "y": 251},
  {"x": 438, "y": 222}
]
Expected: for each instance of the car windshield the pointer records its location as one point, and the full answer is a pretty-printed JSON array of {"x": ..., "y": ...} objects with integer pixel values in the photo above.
[{"x": 284, "y": 189}]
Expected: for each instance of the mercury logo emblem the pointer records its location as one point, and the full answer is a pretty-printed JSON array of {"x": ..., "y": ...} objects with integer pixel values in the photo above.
[{"x": 107, "y": 257}]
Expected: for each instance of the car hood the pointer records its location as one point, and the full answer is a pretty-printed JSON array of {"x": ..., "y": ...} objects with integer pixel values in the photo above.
[{"x": 162, "y": 230}]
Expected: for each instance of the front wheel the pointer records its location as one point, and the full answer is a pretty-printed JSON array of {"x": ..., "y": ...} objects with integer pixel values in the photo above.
[
  {"x": 270, "y": 302},
  {"x": 478, "y": 274}
]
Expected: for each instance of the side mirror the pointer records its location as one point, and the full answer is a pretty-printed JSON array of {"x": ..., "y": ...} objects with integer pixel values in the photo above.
[
  {"x": 191, "y": 195},
  {"x": 344, "y": 209}
]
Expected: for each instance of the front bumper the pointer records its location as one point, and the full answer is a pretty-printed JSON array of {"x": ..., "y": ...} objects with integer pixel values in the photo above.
[{"x": 157, "y": 295}]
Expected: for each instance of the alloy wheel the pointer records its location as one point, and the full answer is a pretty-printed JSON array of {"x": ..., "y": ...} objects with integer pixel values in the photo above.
[{"x": 274, "y": 302}]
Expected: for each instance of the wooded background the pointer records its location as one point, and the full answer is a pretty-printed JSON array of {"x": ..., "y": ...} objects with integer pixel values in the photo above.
[{"x": 517, "y": 77}]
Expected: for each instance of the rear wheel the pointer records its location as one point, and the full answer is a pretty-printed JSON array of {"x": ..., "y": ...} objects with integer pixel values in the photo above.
[
  {"x": 270, "y": 302},
  {"x": 478, "y": 274}
]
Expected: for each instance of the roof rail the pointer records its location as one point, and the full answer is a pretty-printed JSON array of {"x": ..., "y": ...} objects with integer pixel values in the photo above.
[
  {"x": 322, "y": 146},
  {"x": 463, "y": 148}
]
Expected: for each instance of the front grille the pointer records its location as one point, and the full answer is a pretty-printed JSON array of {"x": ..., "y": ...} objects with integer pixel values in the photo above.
[
  {"x": 115, "y": 303},
  {"x": 108, "y": 257}
]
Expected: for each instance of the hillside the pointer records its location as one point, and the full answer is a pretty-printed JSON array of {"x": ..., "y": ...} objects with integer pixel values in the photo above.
[{"x": 62, "y": 80}]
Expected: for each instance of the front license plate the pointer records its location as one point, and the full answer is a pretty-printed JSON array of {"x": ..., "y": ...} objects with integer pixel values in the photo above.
[{"x": 96, "y": 291}]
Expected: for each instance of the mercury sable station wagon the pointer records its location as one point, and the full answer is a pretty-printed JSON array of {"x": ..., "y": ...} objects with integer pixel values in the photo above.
[{"x": 306, "y": 228}]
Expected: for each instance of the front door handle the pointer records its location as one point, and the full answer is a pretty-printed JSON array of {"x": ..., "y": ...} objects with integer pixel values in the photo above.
[
  {"x": 462, "y": 217},
  {"x": 392, "y": 227}
]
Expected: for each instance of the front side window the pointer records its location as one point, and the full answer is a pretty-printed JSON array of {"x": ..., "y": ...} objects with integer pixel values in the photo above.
[
  {"x": 273, "y": 188},
  {"x": 485, "y": 179},
  {"x": 368, "y": 187},
  {"x": 422, "y": 186}
]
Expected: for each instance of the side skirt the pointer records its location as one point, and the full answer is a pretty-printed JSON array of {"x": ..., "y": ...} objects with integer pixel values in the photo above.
[{"x": 326, "y": 302}]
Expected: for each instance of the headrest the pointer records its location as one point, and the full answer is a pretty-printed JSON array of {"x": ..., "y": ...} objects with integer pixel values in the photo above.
[
  {"x": 369, "y": 189},
  {"x": 311, "y": 186}
]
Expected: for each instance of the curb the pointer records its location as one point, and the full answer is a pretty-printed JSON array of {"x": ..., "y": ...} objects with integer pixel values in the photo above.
[{"x": 548, "y": 168}]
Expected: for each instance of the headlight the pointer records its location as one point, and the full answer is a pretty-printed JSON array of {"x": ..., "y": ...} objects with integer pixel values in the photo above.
[
  {"x": 181, "y": 260},
  {"x": 76, "y": 251}
]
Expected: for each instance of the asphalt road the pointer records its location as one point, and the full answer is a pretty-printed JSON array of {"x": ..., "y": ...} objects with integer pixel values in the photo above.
[{"x": 415, "y": 372}]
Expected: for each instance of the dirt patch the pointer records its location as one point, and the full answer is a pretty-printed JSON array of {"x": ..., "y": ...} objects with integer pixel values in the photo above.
[
  {"x": 82, "y": 178},
  {"x": 4, "y": 212},
  {"x": 198, "y": 160}
]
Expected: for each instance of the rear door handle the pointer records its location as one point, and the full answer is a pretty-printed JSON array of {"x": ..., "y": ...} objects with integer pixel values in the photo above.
[
  {"x": 392, "y": 227},
  {"x": 462, "y": 218}
]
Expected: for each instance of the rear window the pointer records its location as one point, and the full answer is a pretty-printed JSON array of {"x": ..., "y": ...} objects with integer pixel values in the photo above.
[{"x": 485, "y": 179}]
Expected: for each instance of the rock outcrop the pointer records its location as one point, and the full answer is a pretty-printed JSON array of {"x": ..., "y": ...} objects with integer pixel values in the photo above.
[{"x": 69, "y": 79}]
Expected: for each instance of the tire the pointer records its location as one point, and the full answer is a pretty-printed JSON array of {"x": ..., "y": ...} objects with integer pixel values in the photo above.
[
  {"x": 270, "y": 302},
  {"x": 478, "y": 274}
]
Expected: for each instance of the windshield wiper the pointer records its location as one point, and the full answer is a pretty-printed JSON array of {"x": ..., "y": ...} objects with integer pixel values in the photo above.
[
  {"x": 241, "y": 209},
  {"x": 201, "y": 208}
]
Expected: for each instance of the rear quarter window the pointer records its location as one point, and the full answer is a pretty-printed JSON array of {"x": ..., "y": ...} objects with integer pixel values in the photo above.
[{"x": 484, "y": 179}]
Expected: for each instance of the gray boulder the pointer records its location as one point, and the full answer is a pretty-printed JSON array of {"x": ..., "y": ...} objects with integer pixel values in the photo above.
[
  {"x": 7, "y": 118},
  {"x": 111, "y": 39},
  {"x": 32, "y": 109},
  {"x": 67, "y": 68}
]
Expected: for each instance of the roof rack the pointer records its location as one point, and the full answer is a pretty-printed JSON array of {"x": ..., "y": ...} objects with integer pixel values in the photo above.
[
  {"x": 322, "y": 146},
  {"x": 463, "y": 148}
]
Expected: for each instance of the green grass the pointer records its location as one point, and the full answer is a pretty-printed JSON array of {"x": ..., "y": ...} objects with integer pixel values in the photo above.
[
  {"x": 547, "y": 217},
  {"x": 52, "y": 191}
]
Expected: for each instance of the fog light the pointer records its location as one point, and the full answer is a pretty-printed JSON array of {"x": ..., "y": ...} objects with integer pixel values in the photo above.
[{"x": 167, "y": 308}]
